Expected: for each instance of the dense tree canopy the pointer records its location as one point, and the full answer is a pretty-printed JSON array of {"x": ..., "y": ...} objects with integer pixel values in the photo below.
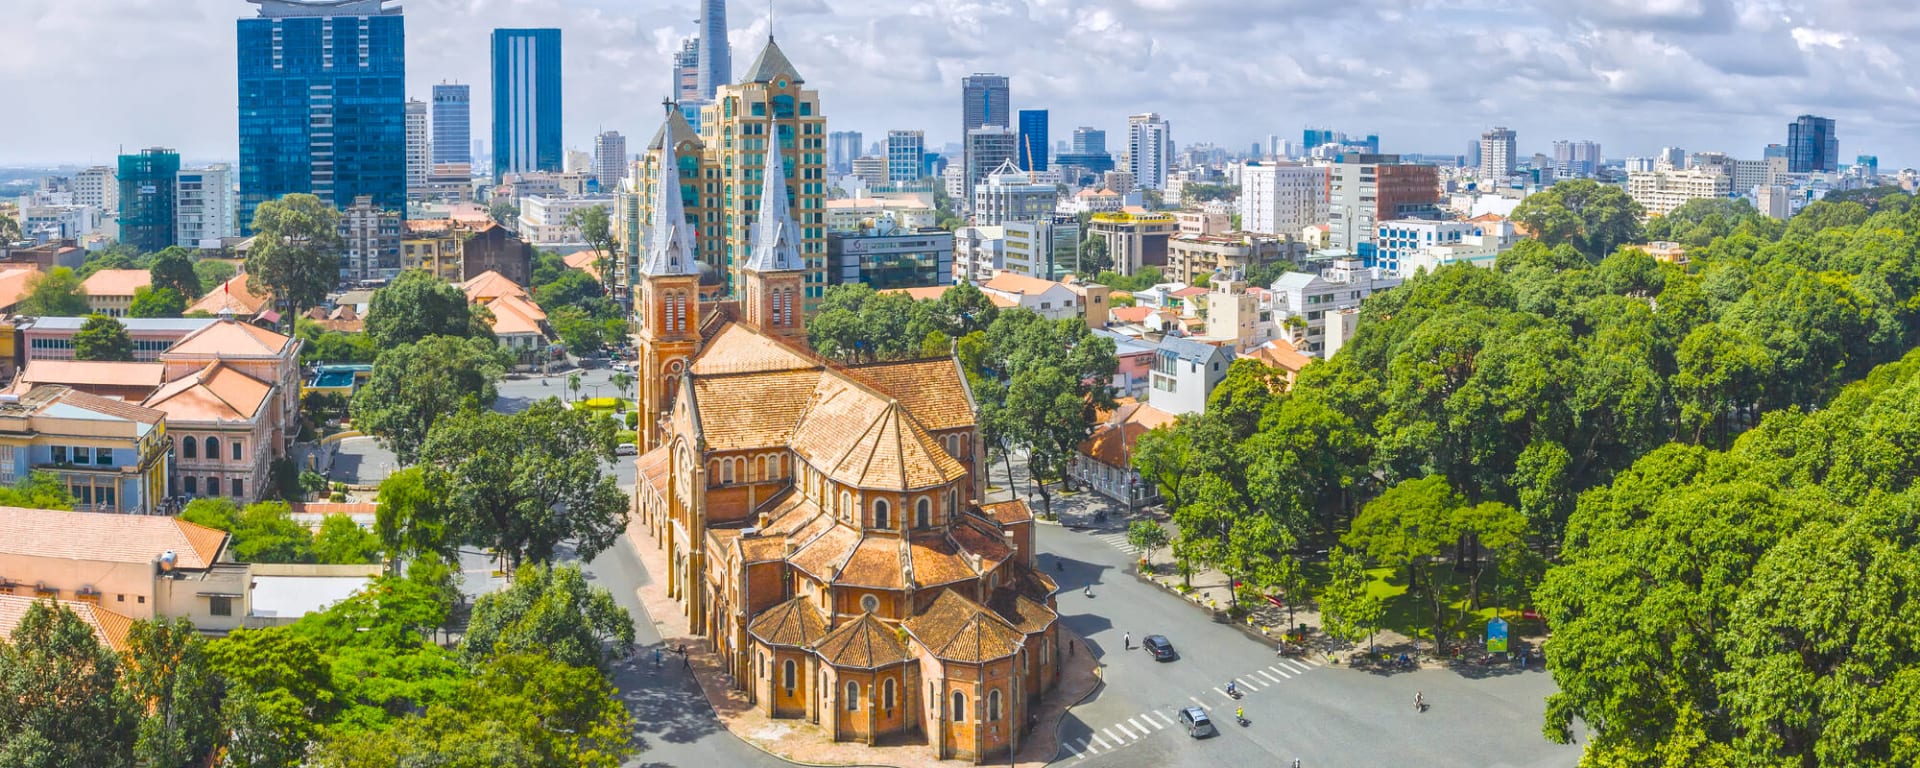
[
  {"x": 54, "y": 293},
  {"x": 173, "y": 269},
  {"x": 102, "y": 338},
  {"x": 296, "y": 251},
  {"x": 417, "y": 305},
  {"x": 415, "y": 385},
  {"x": 1592, "y": 217},
  {"x": 60, "y": 702},
  {"x": 156, "y": 302}
]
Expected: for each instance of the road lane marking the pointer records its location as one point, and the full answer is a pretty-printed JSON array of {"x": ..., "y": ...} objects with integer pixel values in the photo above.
[
  {"x": 1136, "y": 724},
  {"x": 1245, "y": 684},
  {"x": 1100, "y": 741},
  {"x": 1203, "y": 705},
  {"x": 1115, "y": 736},
  {"x": 1276, "y": 669},
  {"x": 1216, "y": 689},
  {"x": 1303, "y": 667},
  {"x": 1169, "y": 720},
  {"x": 1124, "y": 730},
  {"x": 1263, "y": 674},
  {"x": 1075, "y": 748}
]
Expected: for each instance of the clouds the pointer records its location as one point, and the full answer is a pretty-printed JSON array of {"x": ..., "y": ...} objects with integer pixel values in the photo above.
[{"x": 1428, "y": 75}]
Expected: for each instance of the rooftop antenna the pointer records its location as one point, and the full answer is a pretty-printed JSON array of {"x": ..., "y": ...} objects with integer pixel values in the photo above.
[{"x": 769, "y": 21}]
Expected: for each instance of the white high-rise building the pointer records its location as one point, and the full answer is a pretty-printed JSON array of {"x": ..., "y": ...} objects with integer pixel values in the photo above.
[
  {"x": 1497, "y": 153},
  {"x": 609, "y": 160},
  {"x": 905, "y": 151},
  {"x": 1149, "y": 149},
  {"x": 203, "y": 206},
  {"x": 1660, "y": 192},
  {"x": 1575, "y": 159},
  {"x": 1282, "y": 198},
  {"x": 1010, "y": 194},
  {"x": 99, "y": 187},
  {"x": 419, "y": 147}
]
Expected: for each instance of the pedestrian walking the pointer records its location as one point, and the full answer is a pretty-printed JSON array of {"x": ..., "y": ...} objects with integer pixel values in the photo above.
[
  {"x": 656, "y": 658},
  {"x": 1072, "y": 647},
  {"x": 1126, "y": 640},
  {"x": 1088, "y": 590}
]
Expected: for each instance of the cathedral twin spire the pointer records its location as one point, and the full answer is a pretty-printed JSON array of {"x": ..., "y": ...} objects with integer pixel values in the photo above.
[
  {"x": 775, "y": 236},
  {"x": 669, "y": 237}
]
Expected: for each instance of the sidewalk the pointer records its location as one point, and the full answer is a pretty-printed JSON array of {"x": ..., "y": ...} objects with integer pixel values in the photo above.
[{"x": 799, "y": 741}]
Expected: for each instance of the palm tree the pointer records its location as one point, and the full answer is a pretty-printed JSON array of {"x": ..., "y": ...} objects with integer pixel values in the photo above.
[
  {"x": 622, "y": 382},
  {"x": 573, "y": 383}
]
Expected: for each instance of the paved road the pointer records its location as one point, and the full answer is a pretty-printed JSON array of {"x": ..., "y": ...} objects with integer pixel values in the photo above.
[{"x": 1324, "y": 716}]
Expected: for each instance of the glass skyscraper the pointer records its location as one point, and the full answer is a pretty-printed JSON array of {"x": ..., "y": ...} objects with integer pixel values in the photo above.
[
  {"x": 1033, "y": 140},
  {"x": 322, "y": 103},
  {"x": 984, "y": 101},
  {"x": 1813, "y": 145},
  {"x": 526, "y": 101},
  {"x": 452, "y": 124},
  {"x": 147, "y": 198},
  {"x": 714, "y": 58}
]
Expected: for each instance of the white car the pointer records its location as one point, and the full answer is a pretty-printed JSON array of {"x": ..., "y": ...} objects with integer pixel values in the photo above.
[{"x": 626, "y": 449}]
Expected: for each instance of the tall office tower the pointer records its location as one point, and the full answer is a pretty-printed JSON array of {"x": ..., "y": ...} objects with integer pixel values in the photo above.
[
  {"x": 1497, "y": 153},
  {"x": 686, "y": 70},
  {"x": 716, "y": 56},
  {"x": 906, "y": 150},
  {"x": 843, "y": 147},
  {"x": 1314, "y": 138},
  {"x": 988, "y": 147},
  {"x": 526, "y": 101},
  {"x": 323, "y": 99},
  {"x": 147, "y": 196},
  {"x": 770, "y": 103},
  {"x": 609, "y": 160},
  {"x": 1813, "y": 145},
  {"x": 985, "y": 100},
  {"x": 1274, "y": 148},
  {"x": 1089, "y": 141},
  {"x": 1281, "y": 198},
  {"x": 1033, "y": 140},
  {"x": 1868, "y": 165},
  {"x": 1149, "y": 149},
  {"x": 1670, "y": 159},
  {"x": 98, "y": 187},
  {"x": 419, "y": 147},
  {"x": 203, "y": 205},
  {"x": 452, "y": 124},
  {"x": 1472, "y": 158},
  {"x": 1575, "y": 159},
  {"x": 1364, "y": 190}
]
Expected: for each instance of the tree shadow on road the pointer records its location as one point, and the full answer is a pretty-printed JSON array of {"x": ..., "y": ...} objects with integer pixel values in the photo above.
[{"x": 666, "y": 704}]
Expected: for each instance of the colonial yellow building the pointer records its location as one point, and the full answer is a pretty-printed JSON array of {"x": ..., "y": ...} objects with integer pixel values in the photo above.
[{"x": 821, "y": 522}]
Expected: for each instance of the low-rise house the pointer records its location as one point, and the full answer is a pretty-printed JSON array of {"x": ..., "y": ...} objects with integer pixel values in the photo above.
[
  {"x": 1283, "y": 357},
  {"x": 233, "y": 297},
  {"x": 131, "y": 382},
  {"x": 1184, "y": 374},
  {"x": 1046, "y": 298},
  {"x": 109, "y": 627},
  {"x": 518, "y": 322},
  {"x": 1135, "y": 358},
  {"x": 1105, "y": 462},
  {"x": 110, "y": 291},
  {"x": 1310, "y": 297},
  {"x": 224, "y": 425},
  {"x": 51, "y": 338},
  {"x": 262, "y": 354},
  {"x": 111, "y": 455}
]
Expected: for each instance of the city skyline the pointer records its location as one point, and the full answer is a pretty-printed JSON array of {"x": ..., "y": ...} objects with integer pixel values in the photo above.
[{"x": 1721, "y": 75}]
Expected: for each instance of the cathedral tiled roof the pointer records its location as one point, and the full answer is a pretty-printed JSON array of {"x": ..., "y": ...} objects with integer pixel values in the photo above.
[
  {"x": 866, "y": 440},
  {"x": 795, "y": 623},
  {"x": 864, "y": 643},
  {"x": 954, "y": 628}
]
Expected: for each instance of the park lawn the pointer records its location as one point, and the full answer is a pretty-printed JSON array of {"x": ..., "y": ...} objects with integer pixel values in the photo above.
[{"x": 1411, "y": 615}]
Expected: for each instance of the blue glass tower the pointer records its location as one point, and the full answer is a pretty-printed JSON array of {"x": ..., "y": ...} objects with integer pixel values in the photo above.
[
  {"x": 526, "y": 101},
  {"x": 452, "y": 124},
  {"x": 1813, "y": 145},
  {"x": 1034, "y": 142},
  {"x": 322, "y": 103}
]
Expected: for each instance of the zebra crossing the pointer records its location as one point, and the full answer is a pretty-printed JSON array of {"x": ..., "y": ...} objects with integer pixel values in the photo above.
[
  {"x": 1118, "y": 540},
  {"x": 1135, "y": 728}
]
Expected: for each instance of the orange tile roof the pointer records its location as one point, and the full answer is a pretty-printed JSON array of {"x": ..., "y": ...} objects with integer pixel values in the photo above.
[
  {"x": 926, "y": 293},
  {"x": 107, "y": 537},
  {"x": 13, "y": 285},
  {"x": 230, "y": 339},
  {"x": 1026, "y": 614},
  {"x": 989, "y": 546},
  {"x": 655, "y": 467},
  {"x": 738, "y": 349},
  {"x": 233, "y": 296},
  {"x": 1188, "y": 292},
  {"x": 761, "y": 549},
  {"x": 1011, "y": 282},
  {"x": 777, "y": 399},
  {"x": 937, "y": 560},
  {"x": 934, "y": 391},
  {"x": 1113, "y": 440},
  {"x": 1133, "y": 314},
  {"x": 822, "y": 556},
  {"x": 864, "y": 643},
  {"x": 324, "y": 508},
  {"x": 111, "y": 407},
  {"x": 117, "y": 282},
  {"x": 214, "y": 393},
  {"x": 954, "y": 628},
  {"x": 876, "y": 563},
  {"x": 1280, "y": 354},
  {"x": 862, "y": 439},
  {"x": 516, "y": 316},
  {"x": 108, "y": 627},
  {"x": 491, "y": 285},
  {"x": 96, "y": 373},
  {"x": 794, "y": 623},
  {"x": 585, "y": 261},
  {"x": 1015, "y": 511}
]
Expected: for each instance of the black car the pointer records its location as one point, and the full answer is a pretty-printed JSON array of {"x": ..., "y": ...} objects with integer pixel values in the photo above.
[{"x": 1159, "y": 647}]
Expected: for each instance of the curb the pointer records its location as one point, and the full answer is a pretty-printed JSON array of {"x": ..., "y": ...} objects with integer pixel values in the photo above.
[{"x": 1099, "y": 682}]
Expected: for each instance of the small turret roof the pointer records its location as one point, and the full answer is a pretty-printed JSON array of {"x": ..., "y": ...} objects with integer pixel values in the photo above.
[{"x": 771, "y": 65}]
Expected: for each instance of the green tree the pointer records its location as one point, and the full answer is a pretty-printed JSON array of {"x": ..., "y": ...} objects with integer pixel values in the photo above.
[
  {"x": 60, "y": 706},
  {"x": 55, "y": 293},
  {"x": 1348, "y": 610},
  {"x": 1593, "y": 217},
  {"x": 296, "y": 251},
  {"x": 166, "y": 675},
  {"x": 1093, "y": 257},
  {"x": 102, "y": 338},
  {"x": 415, "y": 385},
  {"x": 417, "y": 305},
  {"x": 38, "y": 490},
  {"x": 1146, "y": 536},
  {"x": 10, "y": 230},
  {"x": 212, "y": 273},
  {"x": 597, "y": 231},
  {"x": 505, "y": 213},
  {"x": 156, "y": 302},
  {"x": 412, "y": 517},
  {"x": 173, "y": 269},
  {"x": 341, "y": 541},
  {"x": 521, "y": 484},
  {"x": 570, "y": 288},
  {"x": 550, "y": 610},
  {"x": 1056, "y": 375},
  {"x": 1424, "y": 528}
]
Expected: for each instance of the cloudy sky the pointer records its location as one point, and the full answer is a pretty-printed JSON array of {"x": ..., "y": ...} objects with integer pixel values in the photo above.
[{"x": 82, "y": 78}]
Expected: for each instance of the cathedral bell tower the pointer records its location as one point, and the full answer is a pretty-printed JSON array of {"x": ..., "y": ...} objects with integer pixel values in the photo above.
[
  {"x": 774, "y": 279},
  {"x": 668, "y": 304}
]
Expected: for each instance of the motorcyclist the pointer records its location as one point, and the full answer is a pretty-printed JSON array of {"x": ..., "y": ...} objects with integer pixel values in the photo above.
[
  {"x": 1240, "y": 714},
  {"x": 1419, "y": 701},
  {"x": 1232, "y": 690}
]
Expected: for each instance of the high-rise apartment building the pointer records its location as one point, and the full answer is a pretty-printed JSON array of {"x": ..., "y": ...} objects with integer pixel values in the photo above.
[
  {"x": 98, "y": 187},
  {"x": 1033, "y": 149},
  {"x": 1660, "y": 192},
  {"x": 686, "y": 71},
  {"x": 1813, "y": 145},
  {"x": 843, "y": 147},
  {"x": 988, "y": 147},
  {"x": 985, "y": 100},
  {"x": 905, "y": 152},
  {"x": 1497, "y": 153},
  {"x": 147, "y": 198},
  {"x": 526, "y": 101},
  {"x": 419, "y": 147},
  {"x": 371, "y": 236},
  {"x": 609, "y": 160},
  {"x": 1575, "y": 159},
  {"x": 1364, "y": 190},
  {"x": 452, "y": 124},
  {"x": 715, "y": 60},
  {"x": 1280, "y": 198},
  {"x": 1089, "y": 141},
  {"x": 871, "y": 169},
  {"x": 1670, "y": 159},
  {"x": 322, "y": 103},
  {"x": 1009, "y": 194},
  {"x": 203, "y": 205},
  {"x": 1149, "y": 149}
]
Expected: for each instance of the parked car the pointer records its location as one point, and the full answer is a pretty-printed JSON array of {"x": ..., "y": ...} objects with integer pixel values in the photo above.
[
  {"x": 1160, "y": 647},
  {"x": 1195, "y": 720},
  {"x": 626, "y": 449}
]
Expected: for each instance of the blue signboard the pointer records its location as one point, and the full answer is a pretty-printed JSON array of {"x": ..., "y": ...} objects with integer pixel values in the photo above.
[{"x": 1496, "y": 636}]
